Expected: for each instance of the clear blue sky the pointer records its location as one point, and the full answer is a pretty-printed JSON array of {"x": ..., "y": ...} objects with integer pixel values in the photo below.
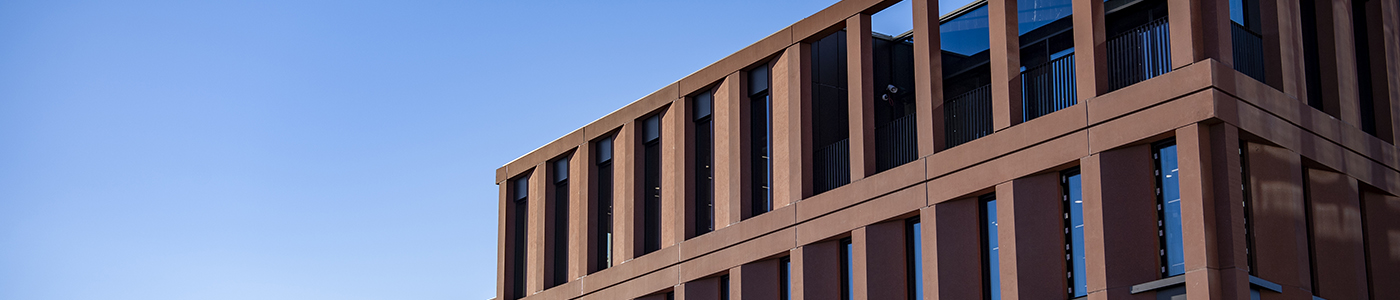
[{"x": 306, "y": 149}]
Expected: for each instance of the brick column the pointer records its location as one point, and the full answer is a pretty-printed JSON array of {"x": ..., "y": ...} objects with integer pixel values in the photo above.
[
  {"x": 879, "y": 254},
  {"x": 1120, "y": 229},
  {"x": 928, "y": 77},
  {"x": 860, "y": 81},
  {"x": 1030, "y": 233},
  {"x": 1283, "y": 47},
  {"x": 1281, "y": 238},
  {"x": 699, "y": 289},
  {"x": 816, "y": 271},
  {"x": 731, "y": 150},
  {"x": 792, "y": 135},
  {"x": 1091, "y": 57},
  {"x": 755, "y": 280},
  {"x": 1382, "y": 215},
  {"x": 1200, "y": 30},
  {"x": 1006, "y": 63},
  {"x": 952, "y": 250},
  {"x": 1337, "y": 238}
]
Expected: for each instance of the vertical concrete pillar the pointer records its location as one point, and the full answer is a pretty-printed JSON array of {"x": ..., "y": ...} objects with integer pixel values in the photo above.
[
  {"x": 1281, "y": 241},
  {"x": 1232, "y": 258},
  {"x": 1200, "y": 30},
  {"x": 1006, "y": 63},
  {"x": 582, "y": 208},
  {"x": 731, "y": 150},
  {"x": 1091, "y": 57},
  {"x": 505, "y": 248},
  {"x": 1030, "y": 233},
  {"x": 1283, "y": 47},
  {"x": 535, "y": 231},
  {"x": 1120, "y": 229},
  {"x": 1382, "y": 215},
  {"x": 755, "y": 280},
  {"x": 880, "y": 261},
  {"x": 627, "y": 175},
  {"x": 699, "y": 289},
  {"x": 928, "y": 77},
  {"x": 792, "y": 137},
  {"x": 1337, "y": 237},
  {"x": 1390, "y": 30},
  {"x": 1380, "y": 76},
  {"x": 860, "y": 81},
  {"x": 677, "y": 171},
  {"x": 816, "y": 270},
  {"x": 1200, "y": 226},
  {"x": 952, "y": 250}
]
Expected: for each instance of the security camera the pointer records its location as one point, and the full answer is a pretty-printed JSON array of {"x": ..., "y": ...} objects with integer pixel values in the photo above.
[{"x": 893, "y": 89}]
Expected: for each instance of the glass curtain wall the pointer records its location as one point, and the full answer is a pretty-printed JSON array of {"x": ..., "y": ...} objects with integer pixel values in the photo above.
[
  {"x": 892, "y": 39},
  {"x": 965, "y": 51},
  {"x": 830, "y": 120},
  {"x": 1047, "y": 56}
]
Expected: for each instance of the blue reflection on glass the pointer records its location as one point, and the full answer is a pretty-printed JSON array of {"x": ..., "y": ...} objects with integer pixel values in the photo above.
[
  {"x": 1032, "y": 14},
  {"x": 967, "y": 34},
  {"x": 894, "y": 20},
  {"x": 916, "y": 233},
  {"x": 992, "y": 266},
  {"x": 1076, "y": 230},
  {"x": 1171, "y": 210}
]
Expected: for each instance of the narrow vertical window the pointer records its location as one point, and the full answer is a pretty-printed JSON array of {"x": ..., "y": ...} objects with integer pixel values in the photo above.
[
  {"x": 1074, "y": 233},
  {"x": 604, "y": 234},
  {"x": 916, "y": 263},
  {"x": 521, "y": 192},
  {"x": 1169, "y": 209},
  {"x": 785, "y": 278},
  {"x": 651, "y": 184},
  {"x": 1312, "y": 238},
  {"x": 1248, "y": 209},
  {"x": 760, "y": 127},
  {"x": 704, "y": 163},
  {"x": 724, "y": 287},
  {"x": 847, "y": 270},
  {"x": 1311, "y": 55},
  {"x": 991, "y": 252},
  {"x": 561, "y": 221}
]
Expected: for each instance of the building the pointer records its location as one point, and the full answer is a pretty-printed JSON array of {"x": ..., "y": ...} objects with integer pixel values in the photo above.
[{"x": 1209, "y": 149}]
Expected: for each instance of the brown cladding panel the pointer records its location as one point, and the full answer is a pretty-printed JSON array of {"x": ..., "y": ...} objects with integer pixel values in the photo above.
[
  {"x": 1276, "y": 190},
  {"x": 817, "y": 271},
  {"x": 1337, "y": 236},
  {"x": 952, "y": 251},
  {"x": 1382, "y": 215},
  {"x": 880, "y": 266},
  {"x": 860, "y": 77},
  {"x": 1030, "y": 233},
  {"x": 1120, "y": 230}
]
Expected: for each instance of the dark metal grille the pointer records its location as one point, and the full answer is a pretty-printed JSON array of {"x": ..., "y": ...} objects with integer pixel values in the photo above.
[
  {"x": 1139, "y": 54},
  {"x": 1249, "y": 51},
  {"x": 896, "y": 142},
  {"x": 968, "y": 116},
  {"x": 1048, "y": 88},
  {"x": 832, "y": 166}
]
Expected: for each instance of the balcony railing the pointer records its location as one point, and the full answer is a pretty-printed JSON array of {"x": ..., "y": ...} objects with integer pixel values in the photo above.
[
  {"x": 1249, "y": 51},
  {"x": 1139, "y": 54},
  {"x": 832, "y": 166},
  {"x": 968, "y": 116},
  {"x": 896, "y": 143},
  {"x": 1048, "y": 88}
]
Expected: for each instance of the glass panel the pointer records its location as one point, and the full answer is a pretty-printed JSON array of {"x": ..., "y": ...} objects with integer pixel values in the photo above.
[
  {"x": 991, "y": 251},
  {"x": 847, "y": 267},
  {"x": 522, "y": 188},
  {"x": 702, "y": 105},
  {"x": 561, "y": 169},
  {"x": 965, "y": 35},
  {"x": 1171, "y": 210},
  {"x": 785, "y": 278},
  {"x": 948, "y": 6},
  {"x": 894, "y": 20},
  {"x": 605, "y": 150},
  {"x": 651, "y": 128},
  {"x": 1076, "y": 231},
  {"x": 1033, "y": 14},
  {"x": 916, "y": 260}
]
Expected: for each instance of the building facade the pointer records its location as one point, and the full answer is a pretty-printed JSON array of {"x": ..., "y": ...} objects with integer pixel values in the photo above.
[{"x": 1201, "y": 149}]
